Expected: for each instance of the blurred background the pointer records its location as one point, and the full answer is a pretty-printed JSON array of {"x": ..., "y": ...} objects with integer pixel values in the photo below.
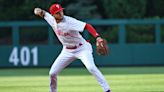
[{"x": 134, "y": 30}]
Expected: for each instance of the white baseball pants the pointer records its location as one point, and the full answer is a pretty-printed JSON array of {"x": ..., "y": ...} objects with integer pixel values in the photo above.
[{"x": 84, "y": 53}]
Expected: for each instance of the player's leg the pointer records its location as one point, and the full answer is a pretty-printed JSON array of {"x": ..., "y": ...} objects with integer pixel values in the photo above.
[
  {"x": 61, "y": 62},
  {"x": 87, "y": 59}
]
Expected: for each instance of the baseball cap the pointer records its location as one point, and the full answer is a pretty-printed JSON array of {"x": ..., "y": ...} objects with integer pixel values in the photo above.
[{"x": 55, "y": 8}]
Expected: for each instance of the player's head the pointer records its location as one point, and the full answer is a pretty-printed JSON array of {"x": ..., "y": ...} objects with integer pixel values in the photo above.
[{"x": 56, "y": 10}]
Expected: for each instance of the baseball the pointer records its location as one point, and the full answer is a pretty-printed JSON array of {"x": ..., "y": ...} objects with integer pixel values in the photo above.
[{"x": 37, "y": 10}]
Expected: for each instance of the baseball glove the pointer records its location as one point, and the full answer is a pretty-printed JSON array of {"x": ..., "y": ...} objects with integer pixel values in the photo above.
[{"x": 101, "y": 46}]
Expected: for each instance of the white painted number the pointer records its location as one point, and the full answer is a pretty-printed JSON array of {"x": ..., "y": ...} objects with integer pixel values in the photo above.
[
  {"x": 24, "y": 56},
  {"x": 14, "y": 57},
  {"x": 34, "y": 52}
]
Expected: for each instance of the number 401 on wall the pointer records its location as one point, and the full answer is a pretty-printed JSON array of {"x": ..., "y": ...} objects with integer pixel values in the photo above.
[{"x": 23, "y": 56}]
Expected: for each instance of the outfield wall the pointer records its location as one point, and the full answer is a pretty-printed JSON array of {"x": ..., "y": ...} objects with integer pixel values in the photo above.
[{"x": 121, "y": 53}]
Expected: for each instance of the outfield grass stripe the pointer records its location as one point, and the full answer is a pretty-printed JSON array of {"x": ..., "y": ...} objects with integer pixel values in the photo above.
[{"x": 82, "y": 71}]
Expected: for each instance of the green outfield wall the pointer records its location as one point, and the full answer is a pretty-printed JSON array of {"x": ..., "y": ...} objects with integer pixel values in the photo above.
[{"x": 122, "y": 53}]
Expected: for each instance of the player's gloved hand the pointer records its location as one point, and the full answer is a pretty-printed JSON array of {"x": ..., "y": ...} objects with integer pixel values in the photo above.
[
  {"x": 101, "y": 46},
  {"x": 39, "y": 12}
]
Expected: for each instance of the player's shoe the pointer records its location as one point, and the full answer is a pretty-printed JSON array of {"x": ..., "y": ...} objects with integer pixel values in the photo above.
[{"x": 108, "y": 91}]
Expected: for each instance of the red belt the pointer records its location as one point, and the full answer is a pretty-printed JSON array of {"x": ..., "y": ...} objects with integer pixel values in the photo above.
[{"x": 74, "y": 47}]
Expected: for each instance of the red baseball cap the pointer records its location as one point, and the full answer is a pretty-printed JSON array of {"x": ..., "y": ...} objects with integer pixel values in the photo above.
[{"x": 55, "y": 8}]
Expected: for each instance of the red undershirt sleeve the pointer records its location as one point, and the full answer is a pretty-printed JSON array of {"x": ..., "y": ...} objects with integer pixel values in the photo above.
[{"x": 91, "y": 30}]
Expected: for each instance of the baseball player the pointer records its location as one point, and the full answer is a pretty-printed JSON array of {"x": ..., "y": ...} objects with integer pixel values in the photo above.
[{"x": 68, "y": 29}]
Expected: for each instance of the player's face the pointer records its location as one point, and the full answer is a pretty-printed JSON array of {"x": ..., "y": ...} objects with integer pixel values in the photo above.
[{"x": 59, "y": 15}]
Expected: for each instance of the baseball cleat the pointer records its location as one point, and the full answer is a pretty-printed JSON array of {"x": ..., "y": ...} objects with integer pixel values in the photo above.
[{"x": 108, "y": 91}]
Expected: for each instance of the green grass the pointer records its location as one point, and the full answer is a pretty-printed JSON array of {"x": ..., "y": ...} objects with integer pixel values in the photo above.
[{"x": 121, "y": 79}]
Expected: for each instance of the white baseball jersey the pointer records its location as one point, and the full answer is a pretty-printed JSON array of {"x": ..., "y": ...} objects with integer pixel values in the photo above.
[{"x": 67, "y": 30}]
